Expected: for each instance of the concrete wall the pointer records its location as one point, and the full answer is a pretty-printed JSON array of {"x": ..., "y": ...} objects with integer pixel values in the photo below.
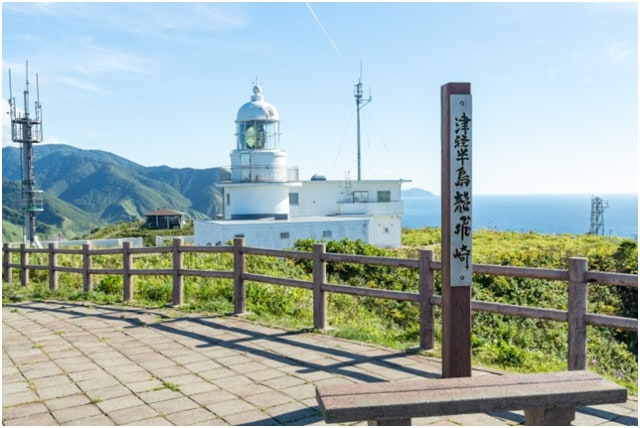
[{"x": 280, "y": 234}]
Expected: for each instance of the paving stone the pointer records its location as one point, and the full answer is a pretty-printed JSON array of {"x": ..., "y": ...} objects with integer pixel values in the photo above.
[
  {"x": 184, "y": 379},
  {"x": 253, "y": 417},
  {"x": 11, "y": 375},
  {"x": 59, "y": 390},
  {"x": 18, "y": 398},
  {"x": 16, "y": 387},
  {"x": 243, "y": 391},
  {"x": 264, "y": 374},
  {"x": 153, "y": 422},
  {"x": 147, "y": 385},
  {"x": 133, "y": 414},
  {"x": 198, "y": 387},
  {"x": 45, "y": 382},
  {"x": 97, "y": 382},
  {"x": 90, "y": 372},
  {"x": 30, "y": 420},
  {"x": 68, "y": 401},
  {"x": 118, "y": 403},
  {"x": 190, "y": 417},
  {"x": 215, "y": 421},
  {"x": 37, "y": 370},
  {"x": 219, "y": 373},
  {"x": 169, "y": 371},
  {"x": 201, "y": 365},
  {"x": 268, "y": 399},
  {"x": 174, "y": 405},
  {"x": 76, "y": 412},
  {"x": 132, "y": 375},
  {"x": 209, "y": 397},
  {"x": 97, "y": 420},
  {"x": 300, "y": 392},
  {"x": 230, "y": 407},
  {"x": 108, "y": 392},
  {"x": 14, "y": 412},
  {"x": 159, "y": 395}
]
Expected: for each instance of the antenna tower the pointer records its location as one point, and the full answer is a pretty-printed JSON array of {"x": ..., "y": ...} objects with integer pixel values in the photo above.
[
  {"x": 26, "y": 131},
  {"x": 597, "y": 215},
  {"x": 360, "y": 103}
]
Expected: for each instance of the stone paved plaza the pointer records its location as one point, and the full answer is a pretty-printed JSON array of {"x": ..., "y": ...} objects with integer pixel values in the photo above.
[{"x": 80, "y": 364}]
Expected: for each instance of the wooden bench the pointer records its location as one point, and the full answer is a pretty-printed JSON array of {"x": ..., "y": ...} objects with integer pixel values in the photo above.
[{"x": 547, "y": 398}]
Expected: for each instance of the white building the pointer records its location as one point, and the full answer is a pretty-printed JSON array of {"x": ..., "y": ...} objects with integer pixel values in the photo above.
[{"x": 270, "y": 207}]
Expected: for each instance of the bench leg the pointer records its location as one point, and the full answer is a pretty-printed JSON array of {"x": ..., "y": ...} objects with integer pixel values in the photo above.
[
  {"x": 391, "y": 422},
  {"x": 549, "y": 416}
]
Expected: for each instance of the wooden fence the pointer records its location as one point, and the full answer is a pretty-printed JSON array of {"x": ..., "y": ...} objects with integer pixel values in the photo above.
[{"x": 577, "y": 275}]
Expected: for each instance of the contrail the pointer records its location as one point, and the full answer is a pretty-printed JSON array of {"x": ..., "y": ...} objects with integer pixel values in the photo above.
[{"x": 324, "y": 30}]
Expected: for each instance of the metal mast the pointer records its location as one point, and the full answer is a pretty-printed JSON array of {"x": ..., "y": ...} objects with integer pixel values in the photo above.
[
  {"x": 27, "y": 131},
  {"x": 357, "y": 92},
  {"x": 597, "y": 215}
]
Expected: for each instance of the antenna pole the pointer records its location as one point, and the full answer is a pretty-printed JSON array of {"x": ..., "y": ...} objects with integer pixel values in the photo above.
[
  {"x": 27, "y": 132},
  {"x": 357, "y": 92}
]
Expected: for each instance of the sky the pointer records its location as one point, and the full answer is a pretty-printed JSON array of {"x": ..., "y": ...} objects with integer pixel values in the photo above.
[{"x": 554, "y": 85}]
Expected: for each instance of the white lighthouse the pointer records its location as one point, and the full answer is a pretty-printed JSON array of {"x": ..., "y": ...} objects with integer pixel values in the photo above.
[
  {"x": 267, "y": 204},
  {"x": 259, "y": 187}
]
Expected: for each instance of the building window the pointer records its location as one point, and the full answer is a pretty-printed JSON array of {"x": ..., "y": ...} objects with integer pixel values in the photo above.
[
  {"x": 228, "y": 199},
  {"x": 294, "y": 198},
  {"x": 327, "y": 234},
  {"x": 239, "y": 235},
  {"x": 360, "y": 196},
  {"x": 284, "y": 235},
  {"x": 384, "y": 196}
]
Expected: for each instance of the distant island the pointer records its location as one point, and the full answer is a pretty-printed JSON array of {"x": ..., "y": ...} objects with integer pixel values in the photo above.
[{"x": 416, "y": 193}]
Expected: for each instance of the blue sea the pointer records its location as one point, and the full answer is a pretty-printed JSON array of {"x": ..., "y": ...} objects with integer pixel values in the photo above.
[{"x": 551, "y": 214}]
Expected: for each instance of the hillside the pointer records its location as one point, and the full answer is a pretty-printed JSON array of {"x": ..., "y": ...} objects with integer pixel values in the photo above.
[
  {"x": 85, "y": 189},
  {"x": 88, "y": 189}
]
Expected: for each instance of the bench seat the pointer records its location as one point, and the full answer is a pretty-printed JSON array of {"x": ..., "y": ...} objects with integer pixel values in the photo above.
[{"x": 547, "y": 398}]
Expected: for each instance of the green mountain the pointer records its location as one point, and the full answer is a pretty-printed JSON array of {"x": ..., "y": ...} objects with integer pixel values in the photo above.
[{"x": 85, "y": 189}]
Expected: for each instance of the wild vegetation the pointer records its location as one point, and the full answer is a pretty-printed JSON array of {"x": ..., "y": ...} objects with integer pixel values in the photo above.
[{"x": 510, "y": 343}]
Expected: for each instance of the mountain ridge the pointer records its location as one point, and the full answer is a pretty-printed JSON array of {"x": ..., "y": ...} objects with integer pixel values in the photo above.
[{"x": 84, "y": 189}]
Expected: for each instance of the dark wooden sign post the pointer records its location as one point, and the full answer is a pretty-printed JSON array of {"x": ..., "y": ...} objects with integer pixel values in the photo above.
[{"x": 456, "y": 229}]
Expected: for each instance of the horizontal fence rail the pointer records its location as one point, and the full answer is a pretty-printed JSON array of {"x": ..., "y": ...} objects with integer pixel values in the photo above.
[{"x": 577, "y": 276}]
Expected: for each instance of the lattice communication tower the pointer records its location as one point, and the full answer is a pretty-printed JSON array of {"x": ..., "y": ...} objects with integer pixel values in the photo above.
[
  {"x": 27, "y": 131},
  {"x": 597, "y": 215}
]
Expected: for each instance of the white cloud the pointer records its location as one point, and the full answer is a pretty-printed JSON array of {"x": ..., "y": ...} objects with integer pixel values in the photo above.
[
  {"x": 80, "y": 84},
  {"x": 619, "y": 51}
]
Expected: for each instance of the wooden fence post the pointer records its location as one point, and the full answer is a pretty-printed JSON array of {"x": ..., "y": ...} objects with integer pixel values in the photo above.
[
  {"x": 7, "y": 272},
  {"x": 178, "y": 279},
  {"x": 239, "y": 286},
  {"x": 319, "y": 296},
  {"x": 127, "y": 262},
  {"x": 87, "y": 286},
  {"x": 53, "y": 259},
  {"x": 426, "y": 291},
  {"x": 24, "y": 261},
  {"x": 577, "y": 309}
]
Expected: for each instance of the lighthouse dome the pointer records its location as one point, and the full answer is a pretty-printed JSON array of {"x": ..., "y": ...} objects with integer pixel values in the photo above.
[{"x": 257, "y": 109}]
